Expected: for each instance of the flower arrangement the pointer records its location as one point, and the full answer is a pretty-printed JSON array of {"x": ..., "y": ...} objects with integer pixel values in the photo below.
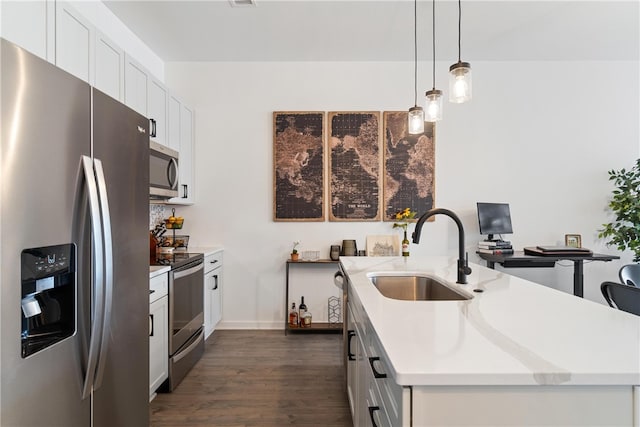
[{"x": 403, "y": 218}]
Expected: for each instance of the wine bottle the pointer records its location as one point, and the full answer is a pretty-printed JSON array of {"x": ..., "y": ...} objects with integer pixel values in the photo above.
[
  {"x": 405, "y": 245},
  {"x": 293, "y": 316},
  {"x": 302, "y": 309}
]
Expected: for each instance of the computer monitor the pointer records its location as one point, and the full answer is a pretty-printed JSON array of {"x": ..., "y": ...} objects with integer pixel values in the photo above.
[{"x": 494, "y": 218}]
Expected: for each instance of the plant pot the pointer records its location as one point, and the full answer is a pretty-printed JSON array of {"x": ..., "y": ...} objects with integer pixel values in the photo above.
[{"x": 294, "y": 257}]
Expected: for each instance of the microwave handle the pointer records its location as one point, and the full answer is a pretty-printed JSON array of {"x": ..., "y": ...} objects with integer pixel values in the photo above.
[
  {"x": 152, "y": 131},
  {"x": 173, "y": 166}
]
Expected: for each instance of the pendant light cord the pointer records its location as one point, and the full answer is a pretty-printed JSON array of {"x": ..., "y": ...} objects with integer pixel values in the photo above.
[
  {"x": 459, "y": 27},
  {"x": 415, "y": 52},
  {"x": 433, "y": 16}
]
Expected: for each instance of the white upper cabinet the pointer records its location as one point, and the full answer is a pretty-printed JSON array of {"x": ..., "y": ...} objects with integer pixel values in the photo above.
[
  {"x": 136, "y": 85},
  {"x": 175, "y": 106},
  {"x": 157, "y": 110},
  {"x": 30, "y": 25},
  {"x": 109, "y": 69},
  {"x": 181, "y": 139},
  {"x": 75, "y": 38},
  {"x": 187, "y": 154}
]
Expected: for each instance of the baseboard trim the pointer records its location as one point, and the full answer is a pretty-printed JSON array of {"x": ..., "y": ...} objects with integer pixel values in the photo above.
[{"x": 250, "y": 325}]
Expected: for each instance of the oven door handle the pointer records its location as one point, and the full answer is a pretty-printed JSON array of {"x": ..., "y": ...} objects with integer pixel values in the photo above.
[
  {"x": 195, "y": 341},
  {"x": 181, "y": 273}
]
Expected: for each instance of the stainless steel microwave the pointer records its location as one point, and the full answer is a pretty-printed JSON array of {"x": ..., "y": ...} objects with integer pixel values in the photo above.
[{"x": 163, "y": 171}]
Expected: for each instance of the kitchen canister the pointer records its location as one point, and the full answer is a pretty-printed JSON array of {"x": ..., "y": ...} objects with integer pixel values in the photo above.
[
  {"x": 334, "y": 253},
  {"x": 349, "y": 248}
]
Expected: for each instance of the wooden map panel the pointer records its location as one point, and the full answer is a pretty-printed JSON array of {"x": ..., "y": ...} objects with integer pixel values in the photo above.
[
  {"x": 354, "y": 141},
  {"x": 298, "y": 161},
  {"x": 409, "y": 166}
]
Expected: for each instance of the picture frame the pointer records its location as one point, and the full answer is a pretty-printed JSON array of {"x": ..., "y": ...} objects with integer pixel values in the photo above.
[
  {"x": 383, "y": 245},
  {"x": 408, "y": 167},
  {"x": 573, "y": 240},
  {"x": 299, "y": 166},
  {"x": 354, "y": 166}
]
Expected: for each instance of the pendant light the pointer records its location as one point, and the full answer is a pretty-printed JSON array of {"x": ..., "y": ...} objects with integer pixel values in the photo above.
[
  {"x": 416, "y": 113},
  {"x": 460, "y": 72},
  {"x": 434, "y": 96}
]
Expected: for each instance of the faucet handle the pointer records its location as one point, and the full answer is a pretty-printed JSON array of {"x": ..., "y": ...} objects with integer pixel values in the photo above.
[{"x": 466, "y": 268}]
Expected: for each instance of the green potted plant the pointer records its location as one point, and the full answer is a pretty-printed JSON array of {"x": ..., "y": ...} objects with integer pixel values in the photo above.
[
  {"x": 294, "y": 251},
  {"x": 624, "y": 231}
]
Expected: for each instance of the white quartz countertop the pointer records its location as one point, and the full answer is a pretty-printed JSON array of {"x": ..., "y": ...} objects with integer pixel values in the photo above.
[
  {"x": 156, "y": 270},
  {"x": 516, "y": 332},
  {"x": 206, "y": 250}
]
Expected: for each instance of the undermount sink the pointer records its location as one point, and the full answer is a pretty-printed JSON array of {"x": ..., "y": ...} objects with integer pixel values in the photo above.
[{"x": 416, "y": 288}]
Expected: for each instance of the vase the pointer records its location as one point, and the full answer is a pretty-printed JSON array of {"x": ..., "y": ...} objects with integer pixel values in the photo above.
[
  {"x": 294, "y": 257},
  {"x": 405, "y": 245}
]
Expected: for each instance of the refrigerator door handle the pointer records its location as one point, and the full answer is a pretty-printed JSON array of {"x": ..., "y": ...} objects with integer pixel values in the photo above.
[
  {"x": 97, "y": 276},
  {"x": 108, "y": 271}
]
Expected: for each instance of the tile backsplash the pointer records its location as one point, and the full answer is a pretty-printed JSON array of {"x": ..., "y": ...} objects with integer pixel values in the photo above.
[{"x": 156, "y": 215}]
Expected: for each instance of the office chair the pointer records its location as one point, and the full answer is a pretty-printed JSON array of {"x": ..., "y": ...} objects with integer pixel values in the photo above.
[
  {"x": 622, "y": 297},
  {"x": 630, "y": 275}
]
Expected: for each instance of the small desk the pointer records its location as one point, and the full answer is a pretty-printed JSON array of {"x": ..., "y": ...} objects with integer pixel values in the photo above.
[{"x": 520, "y": 260}]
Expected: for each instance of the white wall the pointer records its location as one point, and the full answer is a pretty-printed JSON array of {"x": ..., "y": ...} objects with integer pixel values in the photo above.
[{"x": 539, "y": 135}]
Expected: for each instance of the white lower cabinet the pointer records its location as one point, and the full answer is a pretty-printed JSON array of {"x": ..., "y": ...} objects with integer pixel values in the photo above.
[
  {"x": 158, "y": 333},
  {"x": 212, "y": 292},
  {"x": 374, "y": 397}
]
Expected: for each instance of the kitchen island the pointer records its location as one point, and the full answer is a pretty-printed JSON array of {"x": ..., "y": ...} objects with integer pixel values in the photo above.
[{"x": 515, "y": 353}]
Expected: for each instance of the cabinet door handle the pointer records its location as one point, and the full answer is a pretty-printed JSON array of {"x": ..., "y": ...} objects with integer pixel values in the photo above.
[
  {"x": 350, "y": 334},
  {"x": 214, "y": 261},
  {"x": 373, "y": 409},
  {"x": 185, "y": 191},
  {"x": 151, "y": 325},
  {"x": 152, "y": 132},
  {"x": 215, "y": 278},
  {"x": 376, "y": 374}
]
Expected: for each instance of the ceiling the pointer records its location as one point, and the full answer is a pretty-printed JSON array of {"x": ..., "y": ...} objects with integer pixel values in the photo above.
[{"x": 382, "y": 30}]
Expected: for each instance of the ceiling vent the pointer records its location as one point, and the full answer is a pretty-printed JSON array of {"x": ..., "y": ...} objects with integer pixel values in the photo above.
[{"x": 242, "y": 3}]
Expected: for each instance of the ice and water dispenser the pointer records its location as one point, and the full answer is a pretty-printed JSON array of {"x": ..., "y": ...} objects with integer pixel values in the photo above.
[{"x": 48, "y": 277}]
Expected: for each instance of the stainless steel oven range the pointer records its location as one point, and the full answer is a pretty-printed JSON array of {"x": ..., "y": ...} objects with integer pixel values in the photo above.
[{"x": 186, "y": 314}]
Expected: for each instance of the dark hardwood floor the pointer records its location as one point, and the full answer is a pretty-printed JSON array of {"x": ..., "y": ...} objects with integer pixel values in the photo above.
[{"x": 260, "y": 378}]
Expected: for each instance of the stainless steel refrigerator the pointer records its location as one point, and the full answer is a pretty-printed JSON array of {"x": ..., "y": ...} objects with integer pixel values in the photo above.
[{"x": 74, "y": 218}]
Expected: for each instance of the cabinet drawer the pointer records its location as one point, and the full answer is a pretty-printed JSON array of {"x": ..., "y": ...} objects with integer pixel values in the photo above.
[
  {"x": 390, "y": 392},
  {"x": 158, "y": 287},
  {"x": 212, "y": 261},
  {"x": 377, "y": 413}
]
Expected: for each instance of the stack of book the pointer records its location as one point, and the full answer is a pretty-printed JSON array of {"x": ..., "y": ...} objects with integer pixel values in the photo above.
[{"x": 495, "y": 247}]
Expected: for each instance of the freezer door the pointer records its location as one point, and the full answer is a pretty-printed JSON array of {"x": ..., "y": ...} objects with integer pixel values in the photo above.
[
  {"x": 45, "y": 129},
  {"x": 121, "y": 144}
]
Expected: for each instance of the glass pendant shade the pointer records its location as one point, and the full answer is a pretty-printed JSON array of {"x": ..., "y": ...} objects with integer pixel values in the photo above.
[
  {"x": 460, "y": 82},
  {"x": 416, "y": 120},
  {"x": 434, "y": 105}
]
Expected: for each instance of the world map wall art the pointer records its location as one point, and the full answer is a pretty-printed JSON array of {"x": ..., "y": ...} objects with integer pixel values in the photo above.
[
  {"x": 354, "y": 169},
  {"x": 298, "y": 159},
  {"x": 409, "y": 166},
  {"x": 370, "y": 177}
]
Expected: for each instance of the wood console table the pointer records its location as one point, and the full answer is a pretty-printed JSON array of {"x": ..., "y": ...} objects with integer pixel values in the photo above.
[
  {"x": 520, "y": 260},
  {"x": 315, "y": 326}
]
